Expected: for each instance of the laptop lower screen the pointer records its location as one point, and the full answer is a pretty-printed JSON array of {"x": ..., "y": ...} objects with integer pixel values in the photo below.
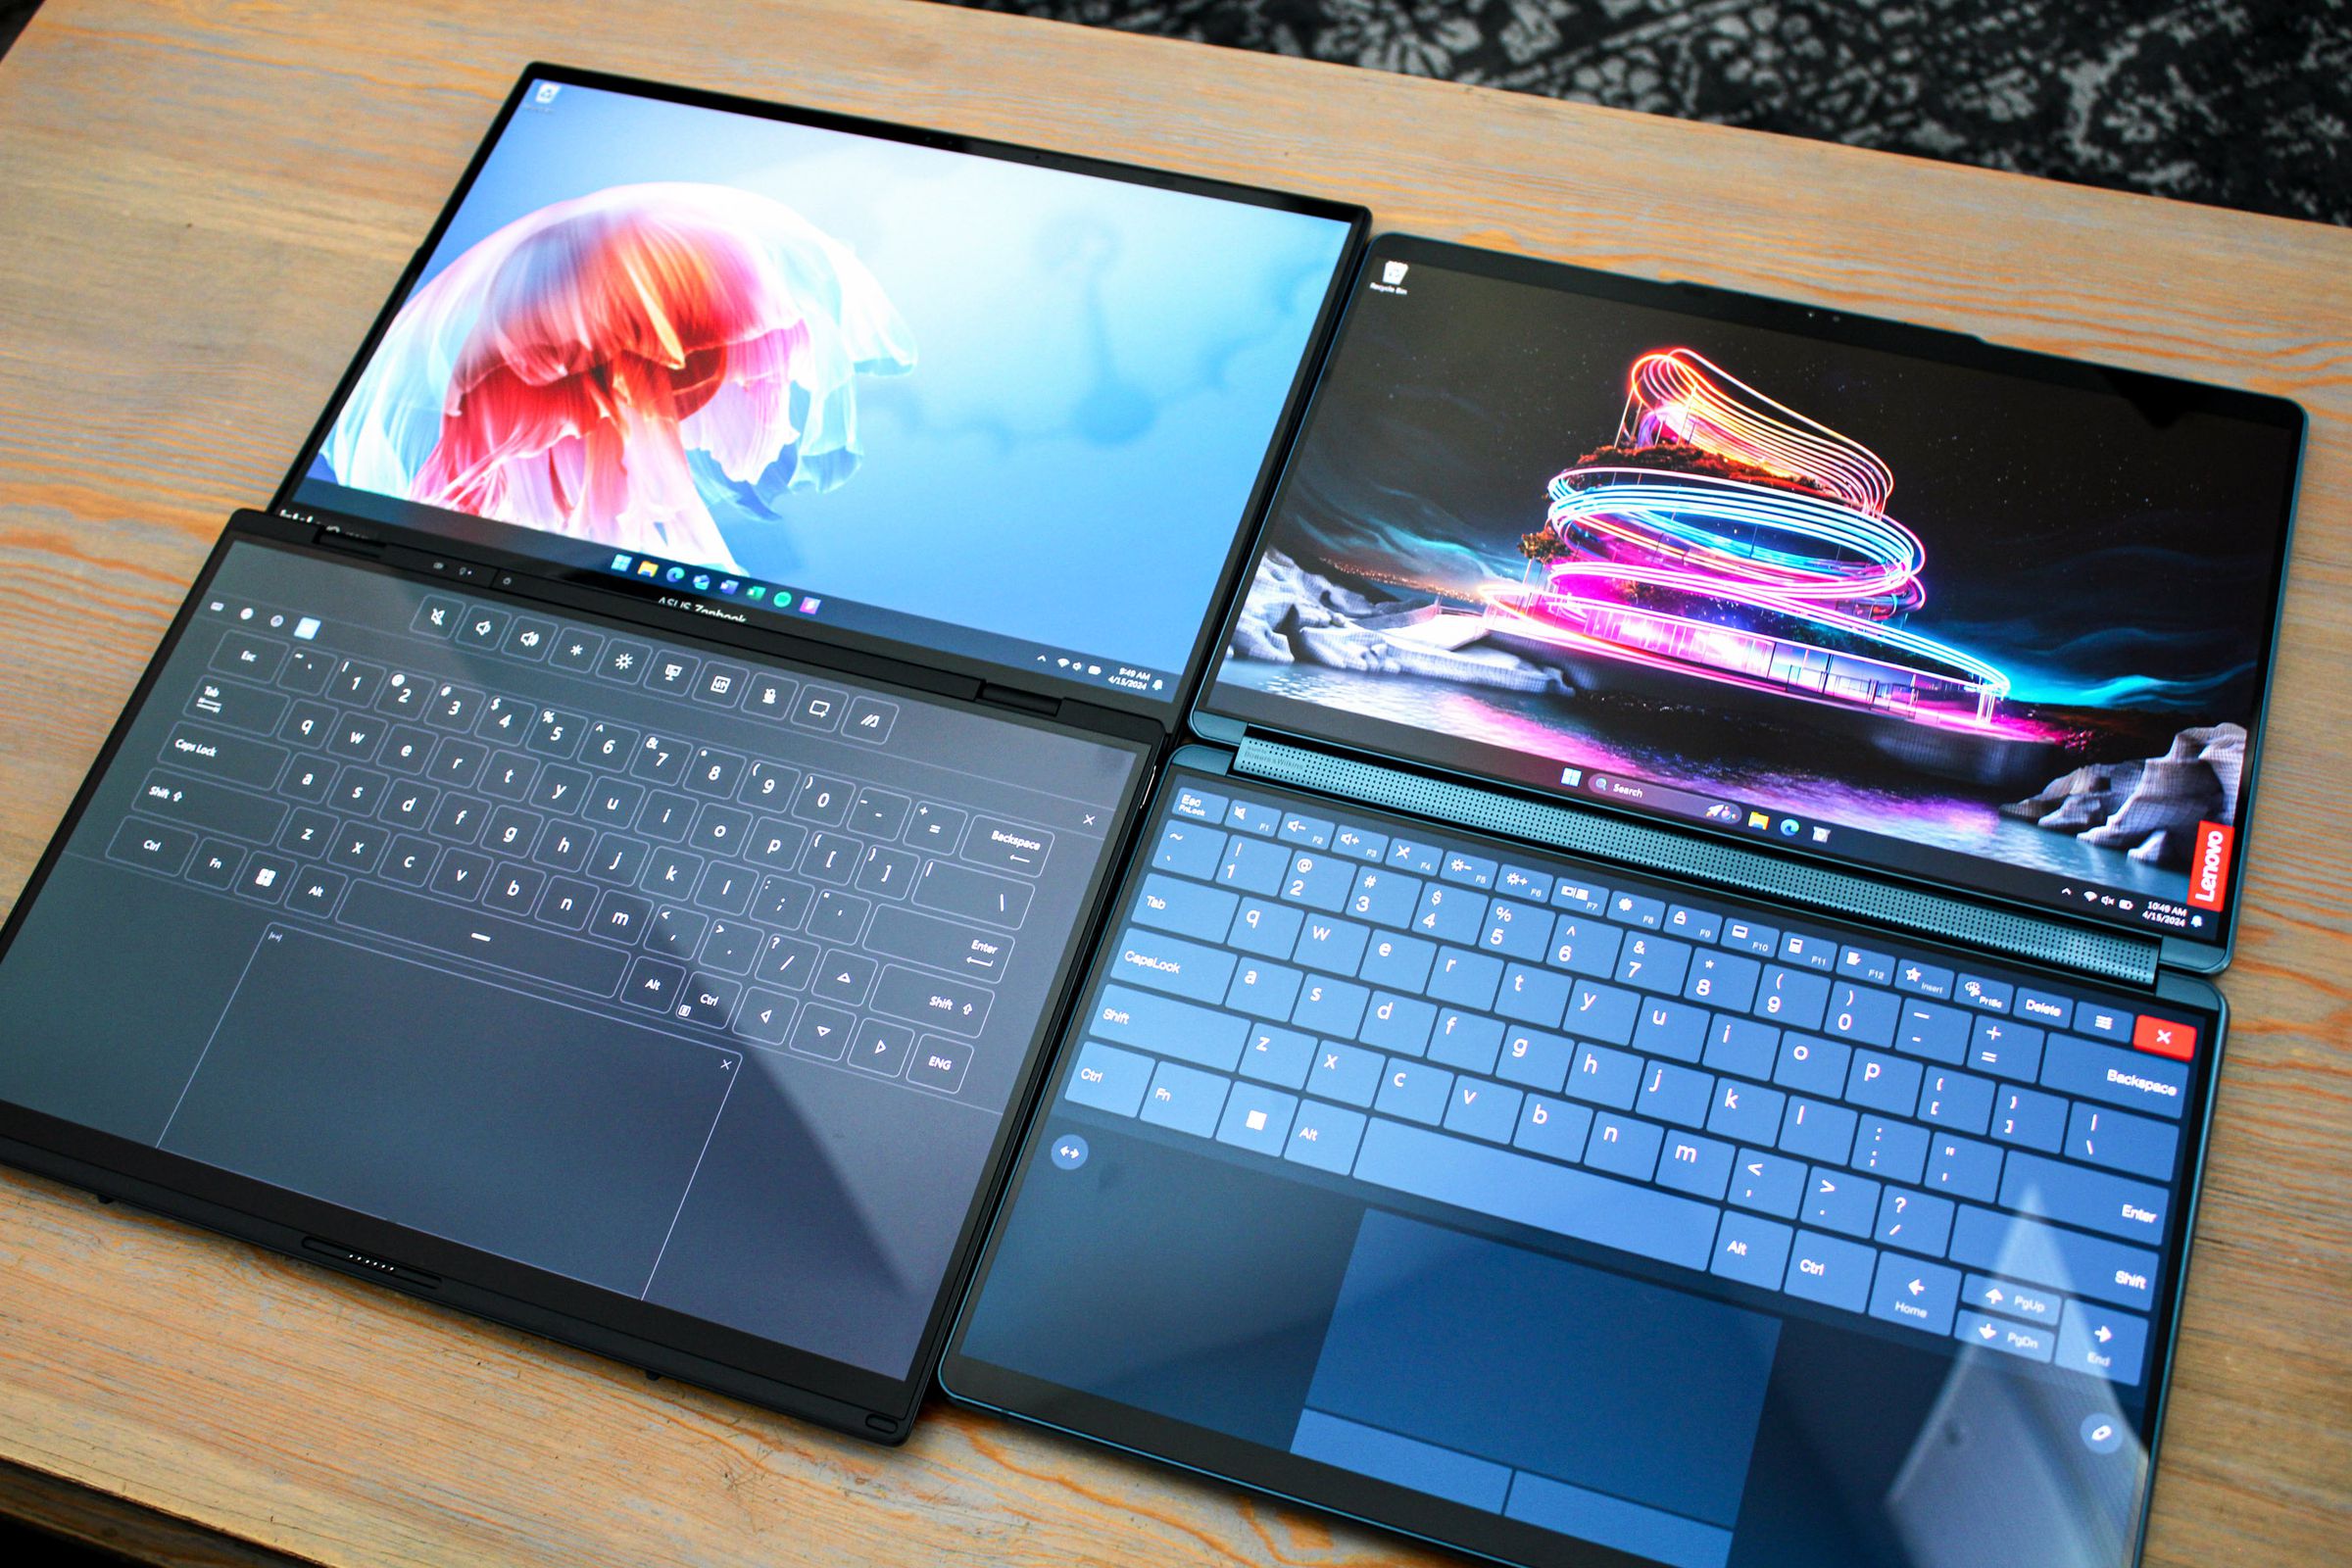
[
  {"x": 967, "y": 404},
  {"x": 1877, "y": 595},
  {"x": 1536, "y": 1207},
  {"x": 699, "y": 985}
]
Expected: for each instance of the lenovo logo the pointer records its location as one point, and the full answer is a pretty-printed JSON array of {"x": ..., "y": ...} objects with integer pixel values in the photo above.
[{"x": 2209, "y": 864}]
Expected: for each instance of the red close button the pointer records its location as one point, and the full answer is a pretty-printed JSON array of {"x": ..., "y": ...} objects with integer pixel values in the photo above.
[{"x": 2165, "y": 1037}]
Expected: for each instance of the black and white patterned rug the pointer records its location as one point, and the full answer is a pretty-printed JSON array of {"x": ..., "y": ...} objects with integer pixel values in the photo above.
[{"x": 2241, "y": 102}]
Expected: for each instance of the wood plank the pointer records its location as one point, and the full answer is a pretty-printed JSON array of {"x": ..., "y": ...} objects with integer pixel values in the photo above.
[
  {"x": 101, "y": 1523},
  {"x": 205, "y": 205}
]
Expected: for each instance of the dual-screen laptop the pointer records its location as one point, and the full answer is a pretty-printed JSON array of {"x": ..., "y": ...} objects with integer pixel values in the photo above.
[{"x": 1566, "y": 914}]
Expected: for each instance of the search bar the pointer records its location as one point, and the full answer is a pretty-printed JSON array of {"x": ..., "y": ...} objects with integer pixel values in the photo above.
[{"x": 1662, "y": 797}]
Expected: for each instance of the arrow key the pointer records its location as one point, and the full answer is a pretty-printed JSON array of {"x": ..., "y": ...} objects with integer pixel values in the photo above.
[
  {"x": 1917, "y": 1295},
  {"x": 2010, "y": 1298},
  {"x": 822, "y": 1032},
  {"x": 2102, "y": 1342},
  {"x": 764, "y": 1016},
  {"x": 882, "y": 1048},
  {"x": 844, "y": 977},
  {"x": 2024, "y": 1340}
]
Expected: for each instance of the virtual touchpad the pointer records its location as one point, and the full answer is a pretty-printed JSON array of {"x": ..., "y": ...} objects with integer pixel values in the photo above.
[
  {"x": 545, "y": 1133},
  {"x": 1577, "y": 1400}
]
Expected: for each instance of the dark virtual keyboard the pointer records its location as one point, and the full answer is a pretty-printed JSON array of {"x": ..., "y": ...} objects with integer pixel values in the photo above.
[
  {"x": 601, "y": 813},
  {"x": 1966, "y": 1151}
]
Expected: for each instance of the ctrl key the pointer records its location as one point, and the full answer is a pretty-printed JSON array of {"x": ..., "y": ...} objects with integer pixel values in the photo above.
[
  {"x": 1109, "y": 1079},
  {"x": 939, "y": 1063},
  {"x": 1824, "y": 1269},
  {"x": 152, "y": 845}
]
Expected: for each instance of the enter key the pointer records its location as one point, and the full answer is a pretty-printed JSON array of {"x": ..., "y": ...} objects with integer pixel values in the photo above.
[{"x": 2074, "y": 1194}]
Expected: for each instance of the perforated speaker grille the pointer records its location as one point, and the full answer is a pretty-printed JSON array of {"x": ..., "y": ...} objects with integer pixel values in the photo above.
[{"x": 2116, "y": 956}]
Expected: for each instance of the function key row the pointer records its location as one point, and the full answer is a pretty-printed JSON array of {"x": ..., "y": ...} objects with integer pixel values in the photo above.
[
  {"x": 1424, "y": 856},
  {"x": 492, "y": 628}
]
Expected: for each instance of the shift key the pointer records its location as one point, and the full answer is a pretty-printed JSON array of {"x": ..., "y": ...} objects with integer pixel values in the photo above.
[
  {"x": 213, "y": 806},
  {"x": 930, "y": 1001},
  {"x": 1170, "y": 1028},
  {"x": 954, "y": 889}
]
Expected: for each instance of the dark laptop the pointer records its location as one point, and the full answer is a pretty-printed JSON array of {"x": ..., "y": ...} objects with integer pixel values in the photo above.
[
  {"x": 1670, "y": 1023},
  {"x": 607, "y": 848}
]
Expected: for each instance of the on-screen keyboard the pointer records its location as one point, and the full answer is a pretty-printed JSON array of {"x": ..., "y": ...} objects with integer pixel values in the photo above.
[
  {"x": 487, "y": 795},
  {"x": 1964, "y": 1149}
]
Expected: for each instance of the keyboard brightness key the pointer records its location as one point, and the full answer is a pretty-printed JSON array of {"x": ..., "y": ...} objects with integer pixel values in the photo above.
[{"x": 2165, "y": 1037}]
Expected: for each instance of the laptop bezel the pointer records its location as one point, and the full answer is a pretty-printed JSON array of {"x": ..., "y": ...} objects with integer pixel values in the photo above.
[
  {"x": 504, "y": 546},
  {"x": 1835, "y": 326}
]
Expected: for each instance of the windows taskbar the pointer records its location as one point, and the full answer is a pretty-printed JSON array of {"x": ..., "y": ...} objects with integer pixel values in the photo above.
[
  {"x": 1956, "y": 872},
  {"x": 736, "y": 596}
]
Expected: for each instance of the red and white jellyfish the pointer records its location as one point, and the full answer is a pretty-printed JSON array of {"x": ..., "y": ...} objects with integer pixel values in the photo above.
[{"x": 559, "y": 372}]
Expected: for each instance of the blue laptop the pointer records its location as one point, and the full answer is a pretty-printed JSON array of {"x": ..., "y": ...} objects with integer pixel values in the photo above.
[{"x": 1668, "y": 1018}]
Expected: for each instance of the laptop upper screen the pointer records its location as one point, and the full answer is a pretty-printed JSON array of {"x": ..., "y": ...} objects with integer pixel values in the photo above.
[
  {"x": 964, "y": 404},
  {"x": 1880, "y": 596}
]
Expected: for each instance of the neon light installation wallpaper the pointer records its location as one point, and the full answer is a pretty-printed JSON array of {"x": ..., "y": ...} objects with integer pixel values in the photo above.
[
  {"x": 980, "y": 392},
  {"x": 1998, "y": 630}
]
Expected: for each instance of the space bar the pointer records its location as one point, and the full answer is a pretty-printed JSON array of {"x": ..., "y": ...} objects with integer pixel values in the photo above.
[
  {"x": 1537, "y": 1192},
  {"x": 484, "y": 938}
]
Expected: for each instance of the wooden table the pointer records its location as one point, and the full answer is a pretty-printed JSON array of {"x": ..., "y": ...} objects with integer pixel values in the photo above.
[{"x": 202, "y": 207}]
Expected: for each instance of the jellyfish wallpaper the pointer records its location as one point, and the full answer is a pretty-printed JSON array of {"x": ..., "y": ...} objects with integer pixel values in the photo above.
[
  {"x": 595, "y": 367},
  {"x": 988, "y": 406},
  {"x": 2001, "y": 629}
]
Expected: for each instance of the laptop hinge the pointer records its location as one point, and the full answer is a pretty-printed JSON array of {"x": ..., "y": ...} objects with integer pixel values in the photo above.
[
  {"x": 2113, "y": 955},
  {"x": 331, "y": 536},
  {"x": 1011, "y": 697},
  {"x": 1099, "y": 720}
]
